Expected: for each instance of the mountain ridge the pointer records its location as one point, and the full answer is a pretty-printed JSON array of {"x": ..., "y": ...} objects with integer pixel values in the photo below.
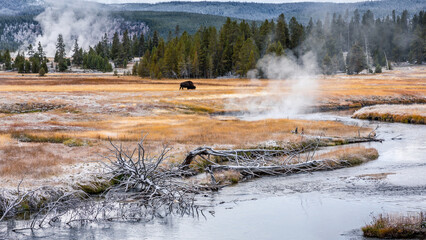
[
  {"x": 242, "y": 10},
  {"x": 261, "y": 11}
]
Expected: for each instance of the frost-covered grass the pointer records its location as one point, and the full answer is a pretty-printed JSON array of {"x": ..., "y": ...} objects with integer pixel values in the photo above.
[{"x": 415, "y": 113}]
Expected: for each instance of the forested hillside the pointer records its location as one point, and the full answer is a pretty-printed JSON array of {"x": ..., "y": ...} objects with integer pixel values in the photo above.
[
  {"x": 164, "y": 22},
  {"x": 18, "y": 29},
  {"x": 261, "y": 11}
]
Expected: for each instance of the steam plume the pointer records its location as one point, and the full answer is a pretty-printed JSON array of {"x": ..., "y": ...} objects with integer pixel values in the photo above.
[
  {"x": 291, "y": 89},
  {"x": 79, "y": 20}
]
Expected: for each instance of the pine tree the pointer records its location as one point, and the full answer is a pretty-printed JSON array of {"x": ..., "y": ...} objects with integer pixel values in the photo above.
[
  {"x": 296, "y": 33},
  {"x": 105, "y": 48},
  {"x": 127, "y": 46},
  {"x": 246, "y": 58},
  {"x": 44, "y": 66},
  {"x": 356, "y": 60},
  {"x": 60, "y": 49},
  {"x": 27, "y": 66},
  {"x": 275, "y": 48},
  {"x": 42, "y": 72},
  {"x": 116, "y": 48},
  {"x": 281, "y": 32},
  {"x": 60, "y": 56},
  {"x": 141, "y": 49},
  {"x": 327, "y": 67},
  {"x": 40, "y": 52},
  {"x": 378, "y": 69},
  {"x": 77, "y": 58},
  {"x": 30, "y": 51},
  {"x": 135, "y": 69},
  {"x": 35, "y": 64},
  {"x": 144, "y": 66},
  {"x": 155, "y": 39},
  {"x": 135, "y": 46},
  {"x": 19, "y": 63},
  {"x": 7, "y": 60}
]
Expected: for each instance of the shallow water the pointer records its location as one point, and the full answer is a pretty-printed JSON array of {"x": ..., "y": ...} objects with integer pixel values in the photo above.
[{"x": 320, "y": 205}]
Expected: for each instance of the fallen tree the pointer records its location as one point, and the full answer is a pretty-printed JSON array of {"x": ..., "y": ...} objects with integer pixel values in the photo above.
[{"x": 253, "y": 162}]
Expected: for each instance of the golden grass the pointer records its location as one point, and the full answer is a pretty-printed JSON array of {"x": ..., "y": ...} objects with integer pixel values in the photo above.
[
  {"x": 30, "y": 162},
  {"x": 201, "y": 130},
  {"x": 98, "y": 107},
  {"x": 397, "y": 226}
]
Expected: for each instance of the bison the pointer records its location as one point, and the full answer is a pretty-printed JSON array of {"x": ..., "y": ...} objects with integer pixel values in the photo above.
[{"x": 187, "y": 85}]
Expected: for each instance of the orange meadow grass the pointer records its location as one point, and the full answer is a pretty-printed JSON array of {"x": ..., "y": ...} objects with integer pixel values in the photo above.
[{"x": 203, "y": 130}]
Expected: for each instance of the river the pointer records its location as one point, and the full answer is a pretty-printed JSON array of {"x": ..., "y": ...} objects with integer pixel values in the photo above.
[{"x": 321, "y": 205}]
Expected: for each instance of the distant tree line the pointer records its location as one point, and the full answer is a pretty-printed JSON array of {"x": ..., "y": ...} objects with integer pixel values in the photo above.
[
  {"x": 237, "y": 46},
  {"x": 368, "y": 43},
  {"x": 35, "y": 63}
]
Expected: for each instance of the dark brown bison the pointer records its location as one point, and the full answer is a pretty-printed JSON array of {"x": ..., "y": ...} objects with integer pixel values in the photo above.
[{"x": 187, "y": 85}]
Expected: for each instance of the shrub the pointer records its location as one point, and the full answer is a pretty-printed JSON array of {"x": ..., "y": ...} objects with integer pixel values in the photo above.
[
  {"x": 42, "y": 72},
  {"x": 378, "y": 69}
]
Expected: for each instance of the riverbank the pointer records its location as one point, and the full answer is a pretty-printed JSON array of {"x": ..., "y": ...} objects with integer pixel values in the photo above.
[
  {"x": 414, "y": 114},
  {"x": 91, "y": 180}
]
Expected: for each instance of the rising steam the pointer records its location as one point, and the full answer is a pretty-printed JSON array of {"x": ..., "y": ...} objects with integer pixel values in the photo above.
[
  {"x": 291, "y": 89},
  {"x": 75, "y": 19}
]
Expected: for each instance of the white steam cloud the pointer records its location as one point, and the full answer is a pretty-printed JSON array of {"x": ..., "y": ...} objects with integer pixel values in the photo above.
[
  {"x": 75, "y": 19},
  {"x": 291, "y": 89}
]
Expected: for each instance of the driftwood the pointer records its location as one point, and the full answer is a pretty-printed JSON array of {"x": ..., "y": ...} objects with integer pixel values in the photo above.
[
  {"x": 259, "y": 161},
  {"x": 277, "y": 169},
  {"x": 293, "y": 158}
]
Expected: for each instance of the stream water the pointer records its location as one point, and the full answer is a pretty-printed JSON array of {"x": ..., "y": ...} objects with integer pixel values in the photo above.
[{"x": 321, "y": 205}]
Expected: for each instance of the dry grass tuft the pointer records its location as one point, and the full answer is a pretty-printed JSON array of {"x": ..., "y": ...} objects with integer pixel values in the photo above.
[
  {"x": 224, "y": 177},
  {"x": 351, "y": 156},
  {"x": 227, "y": 177},
  {"x": 397, "y": 226},
  {"x": 48, "y": 137}
]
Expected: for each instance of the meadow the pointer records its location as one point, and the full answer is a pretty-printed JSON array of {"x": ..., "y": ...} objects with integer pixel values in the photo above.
[{"x": 51, "y": 124}]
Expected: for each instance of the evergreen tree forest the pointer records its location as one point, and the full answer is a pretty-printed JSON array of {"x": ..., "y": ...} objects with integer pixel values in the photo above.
[
  {"x": 235, "y": 48},
  {"x": 347, "y": 43}
]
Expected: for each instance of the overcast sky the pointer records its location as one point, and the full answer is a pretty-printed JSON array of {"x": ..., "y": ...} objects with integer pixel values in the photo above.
[{"x": 266, "y": 1}]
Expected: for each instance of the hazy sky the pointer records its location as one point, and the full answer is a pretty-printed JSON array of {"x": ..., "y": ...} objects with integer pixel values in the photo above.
[{"x": 266, "y": 1}]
